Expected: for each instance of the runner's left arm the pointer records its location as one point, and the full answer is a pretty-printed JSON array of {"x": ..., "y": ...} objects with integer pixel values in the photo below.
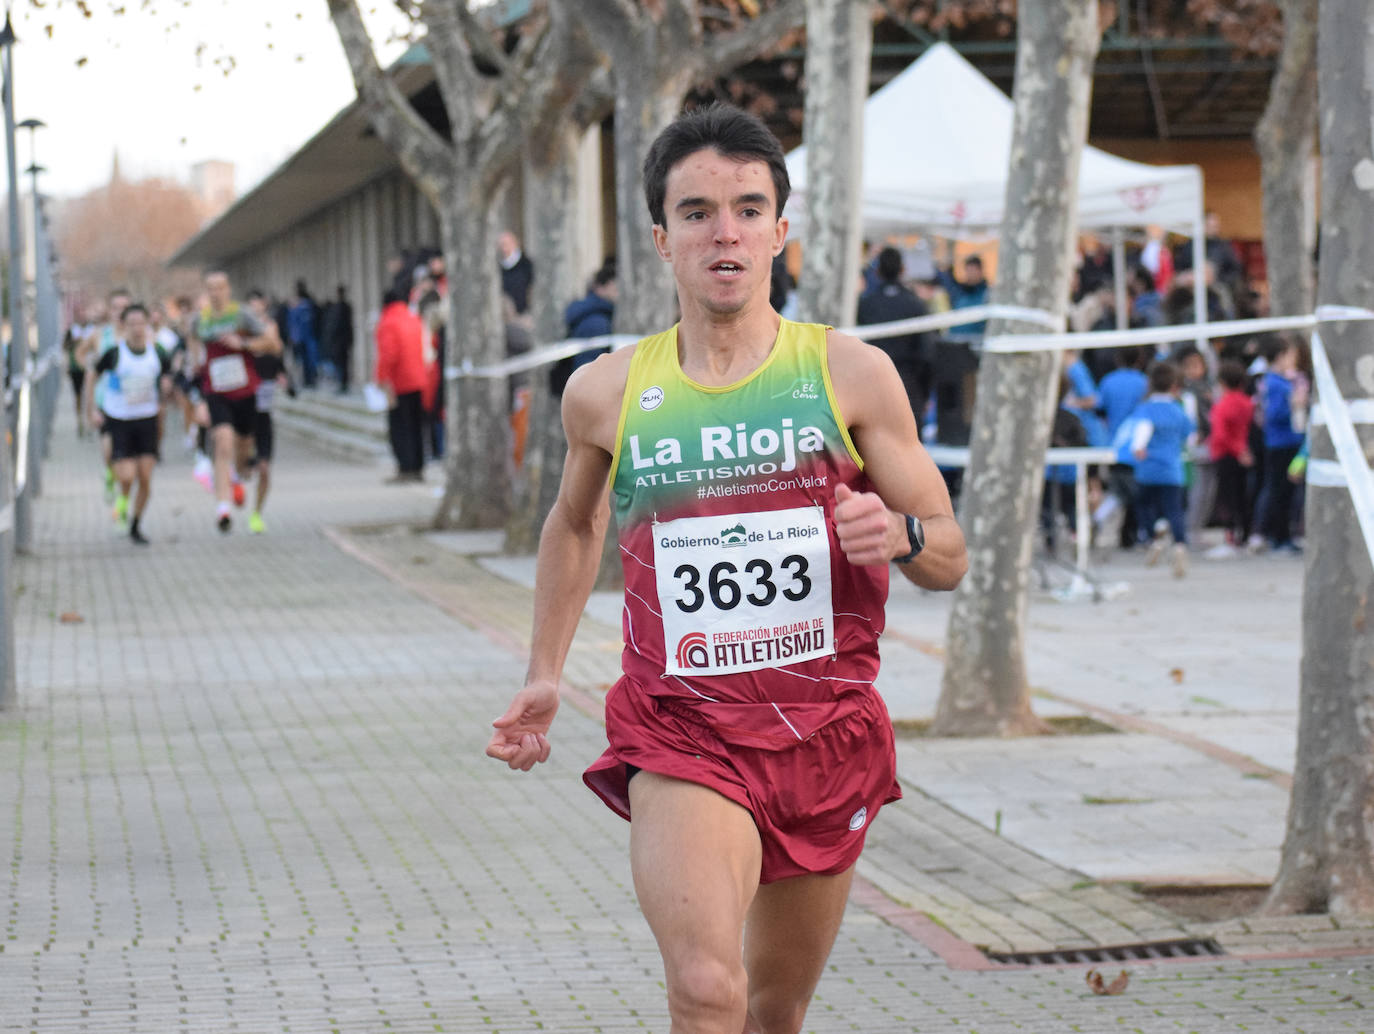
[{"x": 872, "y": 525}]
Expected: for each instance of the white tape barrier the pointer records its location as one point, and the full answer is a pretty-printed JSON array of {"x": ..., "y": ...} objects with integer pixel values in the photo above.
[
  {"x": 1361, "y": 412},
  {"x": 869, "y": 332},
  {"x": 1359, "y": 479},
  {"x": 21, "y": 448},
  {"x": 1325, "y": 474},
  {"x": 956, "y": 318},
  {"x": 1005, "y": 343}
]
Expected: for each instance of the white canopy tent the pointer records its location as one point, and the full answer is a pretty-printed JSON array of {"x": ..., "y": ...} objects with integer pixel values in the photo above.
[{"x": 937, "y": 146}]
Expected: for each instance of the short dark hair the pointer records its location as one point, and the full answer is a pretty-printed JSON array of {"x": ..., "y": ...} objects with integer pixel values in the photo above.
[
  {"x": 720, "y": 127},
  {"x": 1231, "y": 374},
  {"x": 1163, "y": 377},
  {"x": 134, "y": 307},
  {"x": 254, "y": 294},
  {"x": 974, "y": 260},
  {"x": 390, "y": 296},
  {"x": 606, "y": 274},
  {"x": 890, "y": 265}
]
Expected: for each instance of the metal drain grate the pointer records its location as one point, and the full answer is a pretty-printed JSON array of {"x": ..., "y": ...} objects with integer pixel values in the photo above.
[{"x": 1180, "y": 949}]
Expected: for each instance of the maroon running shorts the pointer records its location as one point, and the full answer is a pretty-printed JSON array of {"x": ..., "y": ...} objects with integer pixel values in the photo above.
[{"x": 812, "y": 802}]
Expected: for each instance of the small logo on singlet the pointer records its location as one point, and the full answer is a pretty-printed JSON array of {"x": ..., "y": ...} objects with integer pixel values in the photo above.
[
  {"x": 651, "y": 399},
  {"x": 857, "y": 820},
  {"x": 692, "y": 652}
]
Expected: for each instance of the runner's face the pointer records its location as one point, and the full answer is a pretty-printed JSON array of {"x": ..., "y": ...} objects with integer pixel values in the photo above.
[
  {"x": 136, "y": 330},
  {"x": 722, "y": 231},
  {"x": 217, "y": 287}
]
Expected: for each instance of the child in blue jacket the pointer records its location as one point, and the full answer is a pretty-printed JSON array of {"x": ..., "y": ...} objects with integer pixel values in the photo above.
[{"x": 1158, "y": 442}]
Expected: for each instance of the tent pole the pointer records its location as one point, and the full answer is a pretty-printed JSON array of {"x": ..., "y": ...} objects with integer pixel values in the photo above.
[
  {"x": 1200, "y": 312},
  {"x": 1123, "y": 305}
]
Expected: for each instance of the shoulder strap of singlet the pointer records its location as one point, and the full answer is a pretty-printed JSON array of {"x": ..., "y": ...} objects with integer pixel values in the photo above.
[{"x": 648, "y": 354}]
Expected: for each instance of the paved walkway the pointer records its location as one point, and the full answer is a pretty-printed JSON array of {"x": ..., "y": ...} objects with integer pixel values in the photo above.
[{"x": 248, "y": 794}]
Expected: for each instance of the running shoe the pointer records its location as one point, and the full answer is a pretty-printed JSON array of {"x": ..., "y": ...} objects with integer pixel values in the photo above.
[
  {"x": 204, "y": 472},
  {"x": 255, "y": 525},
  {"x": 224, "y": 523},
  {"x": 137, "y": 537},
  {"x": 109, "y": 485},
  {"x": 239, "y": 494},
  {"x": 1180, "y": 560},
  {"x": 121, "y": 508}
]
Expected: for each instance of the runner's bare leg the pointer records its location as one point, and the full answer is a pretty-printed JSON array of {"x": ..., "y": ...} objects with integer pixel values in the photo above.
[{"x": 695, "y": 857}]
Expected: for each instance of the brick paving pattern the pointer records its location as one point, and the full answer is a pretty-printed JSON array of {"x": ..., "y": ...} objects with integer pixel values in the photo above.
[{"x": 248, "y": 794}]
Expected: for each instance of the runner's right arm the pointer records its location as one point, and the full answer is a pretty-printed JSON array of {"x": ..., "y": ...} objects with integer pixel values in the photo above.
[{"x": 569, "y": 555}]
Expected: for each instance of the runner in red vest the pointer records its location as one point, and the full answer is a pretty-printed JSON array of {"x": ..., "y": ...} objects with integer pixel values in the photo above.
[
  {"x": 764, "y": 473},
  {"x": 227, "y": 337}
]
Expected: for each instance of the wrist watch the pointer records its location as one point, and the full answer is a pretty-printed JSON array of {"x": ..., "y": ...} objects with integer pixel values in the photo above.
[{"x": 916, "y": 537}]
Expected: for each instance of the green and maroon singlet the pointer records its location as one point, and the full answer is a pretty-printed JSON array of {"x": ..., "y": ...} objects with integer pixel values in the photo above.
[{"x": 740, "y": 607}]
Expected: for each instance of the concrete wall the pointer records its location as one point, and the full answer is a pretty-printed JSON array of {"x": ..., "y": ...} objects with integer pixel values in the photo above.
[{"x": 346, "y": 243}]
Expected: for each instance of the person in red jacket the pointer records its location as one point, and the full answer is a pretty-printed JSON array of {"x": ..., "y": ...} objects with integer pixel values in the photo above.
[
  {"x": 401, "y": 373},
  {"x": 1230, "y": 448}
]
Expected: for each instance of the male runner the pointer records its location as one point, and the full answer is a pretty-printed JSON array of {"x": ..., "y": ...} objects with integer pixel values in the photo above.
[
  {"x": 230, "y": 337},
  {"x": 764, "y": 474},
  {"x": 100, "y": 340},
  {"x": 137, "y": 372},
  {"x": 271, "y": 372}
]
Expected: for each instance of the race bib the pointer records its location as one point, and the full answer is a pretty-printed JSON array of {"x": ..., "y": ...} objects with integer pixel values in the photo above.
[
  {"x": 139, "y": 391},
  {"x": 228, "y": 373},
  {"x": 741, "y": 592}
]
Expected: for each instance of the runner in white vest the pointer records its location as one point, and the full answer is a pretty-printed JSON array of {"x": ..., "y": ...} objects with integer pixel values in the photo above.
[{"x": 137, "y": 374}]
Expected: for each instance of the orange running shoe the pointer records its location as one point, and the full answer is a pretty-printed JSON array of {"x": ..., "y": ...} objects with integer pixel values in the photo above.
[{"x": 239, "y": 494}]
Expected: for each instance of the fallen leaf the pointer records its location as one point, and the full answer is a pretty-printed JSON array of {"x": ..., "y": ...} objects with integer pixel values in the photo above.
[
  {"x": 1101, "y": 987},
  {"x": 70, "y": 617},
  {"x": 1176, "y": 674}
]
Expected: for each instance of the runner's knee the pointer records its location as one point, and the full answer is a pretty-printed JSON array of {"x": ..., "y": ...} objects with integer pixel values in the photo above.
[
  {"x": 774, "y": 1011},
  {"x": 705, "y": 992}
]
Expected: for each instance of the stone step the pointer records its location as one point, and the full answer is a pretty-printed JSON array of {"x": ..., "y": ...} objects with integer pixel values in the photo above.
[
  {"x": 340, "y": 442},
  {"x": 341, "y": 412}
]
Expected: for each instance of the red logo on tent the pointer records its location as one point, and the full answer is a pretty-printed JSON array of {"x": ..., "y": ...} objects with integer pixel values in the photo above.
[
  {"x": 959, "y": 210},
  {"x": 1140, "y": 198},
  {"x": 692, "y": 652}
]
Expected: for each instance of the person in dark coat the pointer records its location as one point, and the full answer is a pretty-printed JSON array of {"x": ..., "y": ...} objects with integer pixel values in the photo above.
[
  {"x": 910, "y": 353},
  {"x": 589, "y": 316},
  {"x": 517, "y": 271},
  {"x": 336, "y": 336}
]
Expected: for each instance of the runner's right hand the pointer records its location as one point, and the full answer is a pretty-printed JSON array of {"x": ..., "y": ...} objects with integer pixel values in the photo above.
[{"x": 520, "y": 738}]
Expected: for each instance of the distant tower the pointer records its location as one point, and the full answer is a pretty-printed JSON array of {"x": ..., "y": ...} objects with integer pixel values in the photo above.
[{"x": 213, "y": 183}]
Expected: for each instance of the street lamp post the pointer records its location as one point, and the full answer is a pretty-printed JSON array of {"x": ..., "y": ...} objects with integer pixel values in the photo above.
[
  {"x": 17, "y": 353},
  {"x": 38, "y": 415},
  {"x": 19, "y": 331}
]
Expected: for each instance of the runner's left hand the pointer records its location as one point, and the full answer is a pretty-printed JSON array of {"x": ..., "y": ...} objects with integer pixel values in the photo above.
[{"x": 866, "y": 528}]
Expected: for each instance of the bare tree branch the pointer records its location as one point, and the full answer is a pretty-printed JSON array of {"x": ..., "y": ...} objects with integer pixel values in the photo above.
[
  {"x": 612, "y": 22},
  {"x": 422, "y": 152},
  {"x": 730, "y": 50},
  {"x": 479, "y": 37},
  {"x": 451, "y": 58}
]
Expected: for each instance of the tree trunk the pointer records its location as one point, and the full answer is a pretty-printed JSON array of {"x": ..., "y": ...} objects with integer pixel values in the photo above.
[
  {"x": 839, "y": 44},
  {"x": 1328, "y": 851},
  {"x": 644, "y": 106},
  {"x": 985, "y": 691},
  {"x": 551, "y": 219},
  {"x": 479, "y": 467},
  {"x": 1285, "y": 138}
]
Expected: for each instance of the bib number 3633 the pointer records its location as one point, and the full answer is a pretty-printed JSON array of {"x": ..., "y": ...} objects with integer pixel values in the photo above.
[{"x": 744, "y": 591}]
